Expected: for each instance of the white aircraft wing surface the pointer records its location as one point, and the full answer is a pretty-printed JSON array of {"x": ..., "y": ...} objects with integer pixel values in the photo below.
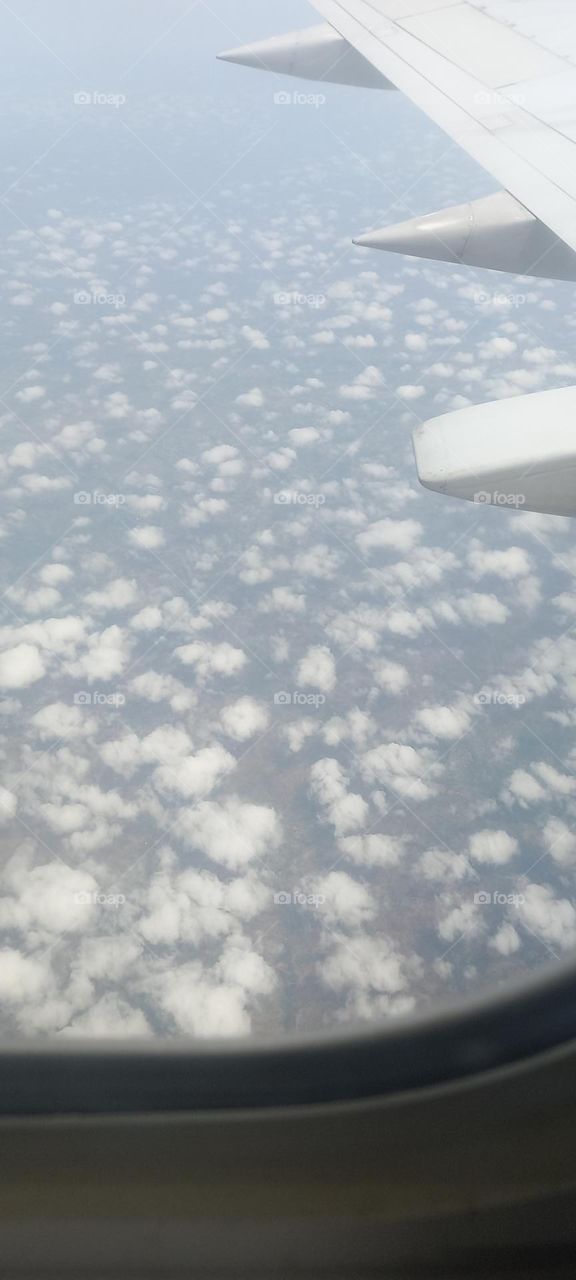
[{"x": 499, "y": 76}]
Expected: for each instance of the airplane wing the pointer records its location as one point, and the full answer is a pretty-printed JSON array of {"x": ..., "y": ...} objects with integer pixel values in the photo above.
[{"x": 499, "y": 76}]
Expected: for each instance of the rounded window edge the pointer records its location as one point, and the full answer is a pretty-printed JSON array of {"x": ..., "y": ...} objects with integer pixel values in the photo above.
[{"x": 408, "y": 1054}]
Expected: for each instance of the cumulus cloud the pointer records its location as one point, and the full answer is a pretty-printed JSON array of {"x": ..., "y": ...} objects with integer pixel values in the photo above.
[
  {"x": 230, "y": 833},
  {"x": 149, "y": 537},
  {"x": 110, "y": 1018},
  {"x": 22, "y": 977},
  {"x": 217, "y": 659},
  {"x": 364, "y": 385},
  {"x": 8, "y": 805},
  {"x": 253, "y": 399},
  {"x": 157, "y": 687},
  {"x": 395, "y": 535},
  {"x": 524, "y": 788},
  {"x": 317, "y": 669},
  {"x": 506, "y": 940},
  {"x": 393, "y": 677},
  {"x": 410, "y": 391},
  {"x": 105, "y": 656},
  {"x": 443, "y": 865},
  {"x": 512, "y": 563},
  {"x": 194, "y": 775},
  {"x": 493, "y": 847},
  {"x": 560, "y": 842},
  {"x": 409, "y": 772},
  {"x": 118, "y": 594},
  {"x": 373, "y": 850},
  {"x": 486, "y": 610},
  {"x": 53, "y": 898},
  {"x": 345, "y": 902},
  {"x": 372, "y": 973},
  {"x": 216, "y": 1002},
  {"x": 552, "y": 919},
  {"x": 21, "y": 666},
  {"x": 241, "y": 720},
  {"x": 443, "y": 722},
  {"x": 345, "y": 810},
  {"x": 192, "y": 906}
]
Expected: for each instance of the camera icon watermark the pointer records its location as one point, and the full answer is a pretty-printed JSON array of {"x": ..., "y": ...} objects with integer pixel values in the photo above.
[
  {"x": 295, "y": 498},
  {"x": 497, "y": 698},
  {"x": 299, "y": 99},
  {"x": 85, "y": 499},
  {"x": 502, "y": 300},
  {"x": 492, "y": 98},
  {"x": 299, "y": 699},
  {"x": 93, "y": 898},
  {"x": 296, "y": 299},
  {"x": 299, "y": 899},
  {"x": 99, "y": 298},
  {"x": 88, "y": 698},
  {"x": 497, "y": 499},
  {"x": 485, "y": 898},
  {"x": 94, "y": 98}
]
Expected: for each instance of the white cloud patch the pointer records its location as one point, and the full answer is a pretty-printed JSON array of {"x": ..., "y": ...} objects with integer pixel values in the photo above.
[
  {"x": 345, "y": 810},
  {"x": 408, "y": 772},
  {"x": 21, "y": 666},
  {"x": 208, "y": 660},
  {"x": 192, "y": 776},
  {"x": 552, "y": 919},
  {"x": 317, "y": 669},
  {"x": 443, "y": 722},
  {"x": 230, "y": 833},
  {"x": 149, "y": 537},
  {"x": 494, "y": 848},
  {"x": 387, "y": 534},
  {"x": 243, "y": 719}
]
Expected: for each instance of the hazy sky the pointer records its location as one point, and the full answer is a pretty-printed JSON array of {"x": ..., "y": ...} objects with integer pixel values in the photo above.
[{"x": 164, "y": 44}]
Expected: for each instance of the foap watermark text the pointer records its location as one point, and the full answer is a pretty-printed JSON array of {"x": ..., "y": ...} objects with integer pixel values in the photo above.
[
  {"x": 299, "y": 699},
  {"x": 96, "y": 499},
  {"x": 499, "y": 698},
  {"x": 93, "y": 898},
  {"x": 295, "y": 498},
  {"x": 296, "y": 299},
  {"x": 96, "y": 98},
  {"x": 298, "y": 99},
  {"x": 98, "y": 298},
  {"x": 500, "y": 299},
  {"x": 299, "y": 899},
  {"x": 493, "y": 898},
  {"x": 89, "y": 698},
  {"x": 497, "y": 499}
]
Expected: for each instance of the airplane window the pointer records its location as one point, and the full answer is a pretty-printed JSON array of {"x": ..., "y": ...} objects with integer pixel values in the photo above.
[{"x": 287, "y": 737}]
